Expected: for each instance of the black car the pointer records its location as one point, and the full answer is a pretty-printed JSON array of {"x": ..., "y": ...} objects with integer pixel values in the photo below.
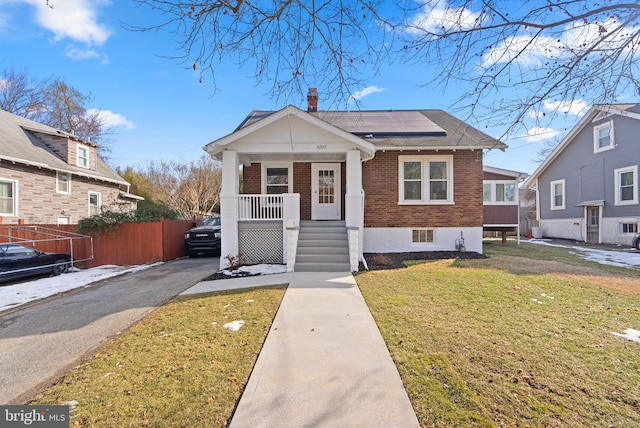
[
  {"x": 204, "y": 239},
  {"x": 636, "y": 242},
  {"x": 18, "y": 261}
]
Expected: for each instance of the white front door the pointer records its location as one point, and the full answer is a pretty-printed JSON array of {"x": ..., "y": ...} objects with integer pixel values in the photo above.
[{"x": 325, "y": 191}]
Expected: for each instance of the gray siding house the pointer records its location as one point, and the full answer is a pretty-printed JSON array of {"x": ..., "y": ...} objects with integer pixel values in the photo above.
[{"x": 587, "y": 188}]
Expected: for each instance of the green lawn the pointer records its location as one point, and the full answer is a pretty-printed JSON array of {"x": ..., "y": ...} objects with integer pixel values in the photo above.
[
  {"x": 521, "y": 339},
  {"x": 512, "y": 341},
  {"x": 175, "y": 368}
]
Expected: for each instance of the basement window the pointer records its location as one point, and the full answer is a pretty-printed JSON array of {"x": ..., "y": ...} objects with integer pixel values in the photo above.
[{"x": 422, "y": 236}]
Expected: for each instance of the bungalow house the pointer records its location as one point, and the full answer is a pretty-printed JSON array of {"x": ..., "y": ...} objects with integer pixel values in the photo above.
[
  {"x": 501, "y": 198},
  {"x": 587, "y": 188},
  {"x": 51, "y": 177},
  {"x": 318, "y": 189}
]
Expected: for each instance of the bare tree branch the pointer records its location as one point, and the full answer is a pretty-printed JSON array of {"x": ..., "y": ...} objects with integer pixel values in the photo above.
[
  {"x": 293, "y": 44},
  {"x": 510, "y": 58}
]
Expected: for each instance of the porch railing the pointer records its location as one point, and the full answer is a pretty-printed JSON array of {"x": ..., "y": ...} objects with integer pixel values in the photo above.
[{"x": 259, "y": 207}]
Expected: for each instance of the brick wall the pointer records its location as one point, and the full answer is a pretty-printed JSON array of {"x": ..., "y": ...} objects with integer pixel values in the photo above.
[
  {"x": 38, "y": 201},
  {"x": 251, "y": 176},
  {"x": 302, "y": 185},
  {"x": 380, "y": 182}
]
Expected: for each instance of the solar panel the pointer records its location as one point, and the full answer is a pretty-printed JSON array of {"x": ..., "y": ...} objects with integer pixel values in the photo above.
[{"x": 382, "y": 122}]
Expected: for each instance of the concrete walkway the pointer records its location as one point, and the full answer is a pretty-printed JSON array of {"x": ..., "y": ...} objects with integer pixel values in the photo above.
[{"x": 324, "y": 363}]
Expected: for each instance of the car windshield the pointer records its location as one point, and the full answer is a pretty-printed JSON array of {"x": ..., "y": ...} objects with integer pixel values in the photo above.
[{"x": 211, "y": 221}]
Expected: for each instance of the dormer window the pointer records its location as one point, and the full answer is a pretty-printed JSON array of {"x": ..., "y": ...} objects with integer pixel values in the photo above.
[
  {"x": 82, "y": 156},
  {"x": 603, "y": 137}
]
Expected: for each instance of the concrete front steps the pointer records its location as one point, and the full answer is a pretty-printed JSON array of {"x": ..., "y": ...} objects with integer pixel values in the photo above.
[{"x": 323, "y": 246}]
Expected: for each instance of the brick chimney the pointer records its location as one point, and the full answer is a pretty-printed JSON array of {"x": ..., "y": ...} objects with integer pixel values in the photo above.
[{"x": 312, "y": 100}]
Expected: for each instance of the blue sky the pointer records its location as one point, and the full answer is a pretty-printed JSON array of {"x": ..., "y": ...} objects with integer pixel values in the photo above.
[{"x": 161, "y": 111}]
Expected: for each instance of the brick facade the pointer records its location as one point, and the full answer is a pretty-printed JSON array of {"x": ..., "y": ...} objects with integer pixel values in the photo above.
[
  {"x": 252, "y": 184},
  {"x": 39, "y": 202},
  {"x": 380, "y": 183}
]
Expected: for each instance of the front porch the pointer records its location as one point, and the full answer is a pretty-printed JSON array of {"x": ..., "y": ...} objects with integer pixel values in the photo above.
[{"x": 323, "y": 233}]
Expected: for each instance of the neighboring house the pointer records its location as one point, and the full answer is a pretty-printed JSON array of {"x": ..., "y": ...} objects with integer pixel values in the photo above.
[
  {"x": 587, "y": 188},
  {"x": 500, "y": 194},
  {"x": 50, "y": 177},
  {"x": 320, "y": 188}
]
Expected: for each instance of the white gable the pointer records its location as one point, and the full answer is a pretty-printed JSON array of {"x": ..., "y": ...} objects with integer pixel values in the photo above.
[{"x": 290, "y": 134}]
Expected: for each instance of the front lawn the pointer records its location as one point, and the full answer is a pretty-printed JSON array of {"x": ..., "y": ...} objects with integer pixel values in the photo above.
[
  {"x": 179, "y": 367},
  {"x": 512, "y": 341}
]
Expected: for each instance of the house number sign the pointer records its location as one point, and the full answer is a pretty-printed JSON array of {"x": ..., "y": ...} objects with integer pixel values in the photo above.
[{"x": 321, "y": 147}]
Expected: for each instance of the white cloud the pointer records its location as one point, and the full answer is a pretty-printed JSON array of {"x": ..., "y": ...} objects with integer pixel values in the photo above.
[
  {"x": 72, "y": 19},
  {"x": 440, "y": 16},
  {"x": 77, "y": 53},
  {"x": 538, "y": 133},
  {"x": 110, "y": 118},
  {"x": 366, "y": 91},
  {"x": 577, "y": 107}
]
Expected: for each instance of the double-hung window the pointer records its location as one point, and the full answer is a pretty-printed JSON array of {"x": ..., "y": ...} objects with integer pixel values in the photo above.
[
  {"x": 63, "y": 182},
  {"x": 603, "y": 137},
  {"x": 82, "y": 156},
  {"x": 94, "y": 203},
  {"x": 626, "y": 182},
  {"x": 557, "y": 195},
  {"x": 8, "y": 198},
  {"x": 276, "y": 179},
  {"x": 426, "y": 179}
]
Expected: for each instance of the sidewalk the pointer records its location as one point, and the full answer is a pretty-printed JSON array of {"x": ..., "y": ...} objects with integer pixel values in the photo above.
[{"x": 324, "y": 362}]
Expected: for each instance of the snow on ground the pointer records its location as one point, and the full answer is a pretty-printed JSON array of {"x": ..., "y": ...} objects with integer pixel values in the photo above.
[
  {"x": 629, "y": 334},
  {"x": 627, "y": 258},
  {"x": 27, "y": 291},
  {"x": 256, "y": 270}
]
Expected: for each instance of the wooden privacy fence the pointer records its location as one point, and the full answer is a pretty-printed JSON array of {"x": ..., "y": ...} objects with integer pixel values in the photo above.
[{"x": 129, "y": 244}]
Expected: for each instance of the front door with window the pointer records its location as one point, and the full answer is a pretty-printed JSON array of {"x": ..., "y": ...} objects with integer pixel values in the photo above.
[
  {"x": 593, "y": 225},
  {"x": 325, "y": 191}
]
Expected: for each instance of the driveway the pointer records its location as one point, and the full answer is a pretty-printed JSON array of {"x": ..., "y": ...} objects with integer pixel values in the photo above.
[{"x": 42, "y": 341}]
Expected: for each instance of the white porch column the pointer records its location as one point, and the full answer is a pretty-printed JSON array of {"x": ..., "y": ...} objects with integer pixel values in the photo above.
[
  {"x": 354, "y": 206},
  {"x": 229, "y": 206},
  {"x": 290, "y": 227}
]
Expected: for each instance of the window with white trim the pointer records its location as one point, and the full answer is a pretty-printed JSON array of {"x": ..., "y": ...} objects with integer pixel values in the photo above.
[
  {"x": 626, "y": 182},
  {"x": 557, "y": 195},
  {"x": 499, "y": 192},
  {"x": 486, "y": 192},
  {"x": 422, "y": 236},
  {"x": 94, "y": 203},
  {"x": 82, "y": 156},
  {"x": 8, "y": 198},
  {"x": 277, "y": 178},
  {"x": 63, "y": 182},
  {"x": 629, "y": 228},
  {"x": 603, "y": 137},
  {"x": 425, "y": 179}
]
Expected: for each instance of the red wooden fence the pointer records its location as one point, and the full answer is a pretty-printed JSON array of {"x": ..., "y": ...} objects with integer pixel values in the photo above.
[{"x": 129, "y": 244}]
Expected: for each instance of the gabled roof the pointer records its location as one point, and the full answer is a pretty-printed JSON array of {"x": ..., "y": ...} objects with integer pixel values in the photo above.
[
  {"x": 257, "y": 121},
  {"x": 382, "y": 129},
  {"x": 20, "y": 143},
  {"x": 597, "y": 112}
]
